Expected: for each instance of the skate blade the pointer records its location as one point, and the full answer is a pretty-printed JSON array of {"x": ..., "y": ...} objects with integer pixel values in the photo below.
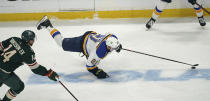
[{"x": 42, "y": 20}]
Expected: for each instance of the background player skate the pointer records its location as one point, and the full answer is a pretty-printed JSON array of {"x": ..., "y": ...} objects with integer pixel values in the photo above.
[
  {"x": 94, "y": 46},
  {"x": 14, "y": 52},
  {"x": 163, "y": 3}
]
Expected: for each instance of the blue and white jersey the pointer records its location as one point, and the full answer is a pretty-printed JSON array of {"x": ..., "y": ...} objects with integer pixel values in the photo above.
[{"x": 95, "y": 48}]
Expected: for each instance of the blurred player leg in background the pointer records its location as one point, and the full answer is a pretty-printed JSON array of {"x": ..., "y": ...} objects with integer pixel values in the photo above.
[
  {"x": 157, "y": 12},
  {"x": 199, "y": 11},
  {"x": 162, "y": 5}
]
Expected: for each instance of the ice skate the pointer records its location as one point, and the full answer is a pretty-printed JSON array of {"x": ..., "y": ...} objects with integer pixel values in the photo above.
[
  {"x": 44, "y": 23},
  {"x": 201, "y": 21},
  {"x": 150, "y": 23}
]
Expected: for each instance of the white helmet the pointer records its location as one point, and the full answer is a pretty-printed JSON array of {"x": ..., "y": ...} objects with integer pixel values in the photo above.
[{"x": 112, "y": 42}]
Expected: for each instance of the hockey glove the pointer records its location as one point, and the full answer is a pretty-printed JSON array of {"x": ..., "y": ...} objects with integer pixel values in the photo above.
[
  {"x": 52, "y": 75},
  {"x": 119, "y": 48},
  {"x": 99, "y": 73},
  {"x": 192, "y": 1}
]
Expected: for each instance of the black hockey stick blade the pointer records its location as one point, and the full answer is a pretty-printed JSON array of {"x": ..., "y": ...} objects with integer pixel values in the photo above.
[{"x": 194, "y": 66}]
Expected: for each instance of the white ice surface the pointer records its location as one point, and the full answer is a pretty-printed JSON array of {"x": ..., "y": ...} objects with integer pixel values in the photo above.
[{"x": 178, "y": 39}]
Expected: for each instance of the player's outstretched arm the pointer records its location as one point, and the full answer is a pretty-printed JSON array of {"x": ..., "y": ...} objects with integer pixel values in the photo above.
[{"x": 41, "y": 70}]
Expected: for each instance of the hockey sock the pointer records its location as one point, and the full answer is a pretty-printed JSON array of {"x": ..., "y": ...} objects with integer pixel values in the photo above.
[
  {"x": 56, "y": 35},
  {"x": 159, "y": 9},
  {"x": 156, "y": 13},
  {"x": 53, "y": 31},
  {"x": 198, "y": 10},
  {"x": 9, "y": 95}
]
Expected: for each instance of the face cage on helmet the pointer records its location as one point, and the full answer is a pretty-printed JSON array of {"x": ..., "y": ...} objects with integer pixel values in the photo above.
[{"x": 111, "y": 49}]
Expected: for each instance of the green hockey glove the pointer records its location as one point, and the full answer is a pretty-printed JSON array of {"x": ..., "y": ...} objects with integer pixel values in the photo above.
[{"x": 52, "y": 75}]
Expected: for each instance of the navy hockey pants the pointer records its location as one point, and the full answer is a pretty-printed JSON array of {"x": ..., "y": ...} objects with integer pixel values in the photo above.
[{"x": 74, "y": 44}]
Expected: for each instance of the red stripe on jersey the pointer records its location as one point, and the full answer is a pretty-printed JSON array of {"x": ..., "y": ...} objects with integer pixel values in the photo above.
[
  {"x": 49, "y": 74},
  {"x": 10, "y": 93},
  {"x": 1, "y": 46},
  {"x": 32, "y": 64}
]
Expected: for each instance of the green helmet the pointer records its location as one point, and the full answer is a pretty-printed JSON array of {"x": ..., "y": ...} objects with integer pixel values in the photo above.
[{"x": 28, "y": 35}]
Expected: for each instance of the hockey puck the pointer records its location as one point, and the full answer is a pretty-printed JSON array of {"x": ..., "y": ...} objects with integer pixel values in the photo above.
[{"x": 193, "y": 67}]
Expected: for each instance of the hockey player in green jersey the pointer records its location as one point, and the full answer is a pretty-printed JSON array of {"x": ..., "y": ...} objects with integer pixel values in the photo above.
[{"x": 13, "y": 53}]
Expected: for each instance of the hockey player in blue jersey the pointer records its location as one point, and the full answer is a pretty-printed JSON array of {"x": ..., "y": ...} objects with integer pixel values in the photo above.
[
  {"x": 163, "y": 3},
  {"x": 94, "y": 46}
]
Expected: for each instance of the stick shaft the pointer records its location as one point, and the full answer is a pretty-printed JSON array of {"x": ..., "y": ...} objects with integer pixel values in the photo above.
[
  {"x": 158, "y": 57},
  {"x": 202, "y": 8},
  {"x": 68, "y": 90}
]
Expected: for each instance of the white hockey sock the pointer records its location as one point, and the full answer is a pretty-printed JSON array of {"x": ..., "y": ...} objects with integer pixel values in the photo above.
[
  {"x": 198, "y": 10},
  {"x": 159, "y": 9},
  {"x": 56, "y": 35}
]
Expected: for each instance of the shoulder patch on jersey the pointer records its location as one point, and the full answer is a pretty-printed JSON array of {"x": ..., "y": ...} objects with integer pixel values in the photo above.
[{"x": 102, "y": 50}]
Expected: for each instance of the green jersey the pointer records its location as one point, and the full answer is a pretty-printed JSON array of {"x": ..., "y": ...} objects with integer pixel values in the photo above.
[{"x": 15, "y": 52}]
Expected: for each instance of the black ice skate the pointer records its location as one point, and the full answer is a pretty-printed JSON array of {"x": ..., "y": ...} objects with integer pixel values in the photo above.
[
  {"x": 150, "y": 23},
  {"x": 44, "y": 23},
  {"x": 201, "y": 21}
]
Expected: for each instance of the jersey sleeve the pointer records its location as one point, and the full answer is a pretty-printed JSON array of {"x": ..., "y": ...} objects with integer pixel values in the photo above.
[
  {"x": 93, "y": 61},
  {"x": 36, "y": 68},
  {"x": 30, "y": 60}
]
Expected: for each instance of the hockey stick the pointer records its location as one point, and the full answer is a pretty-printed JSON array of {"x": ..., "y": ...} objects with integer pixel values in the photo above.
[
  {"x": 193, "y": 66},
  {"x": 202, "y": 8},
  {"x": 67, "y": 89}
]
